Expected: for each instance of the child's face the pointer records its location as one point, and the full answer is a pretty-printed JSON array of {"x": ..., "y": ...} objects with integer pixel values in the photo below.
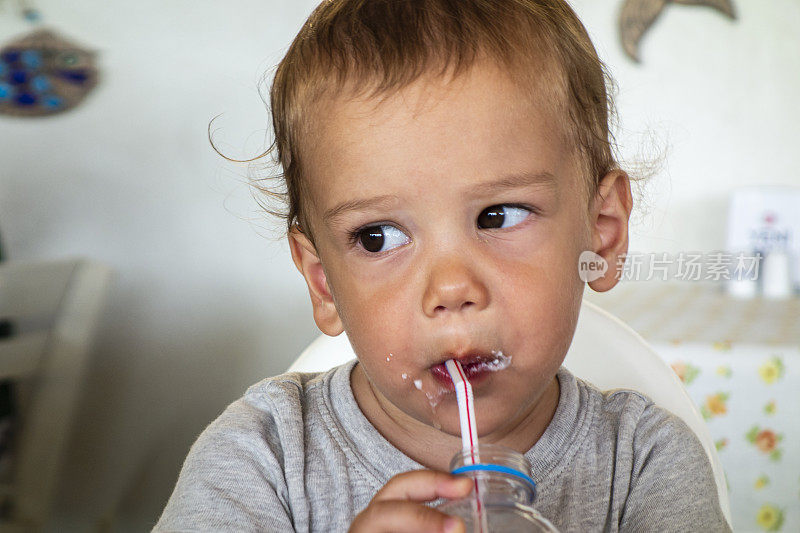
[{"x": 471, "y": 216}]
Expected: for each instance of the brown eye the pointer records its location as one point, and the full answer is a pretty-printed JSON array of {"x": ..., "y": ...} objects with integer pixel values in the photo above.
[
  {"x": 372, "y": 239},
  {"x": 502, "y": 216},
  {"x": 381, "y": 238},
  {"x": 492, "y": 217}
]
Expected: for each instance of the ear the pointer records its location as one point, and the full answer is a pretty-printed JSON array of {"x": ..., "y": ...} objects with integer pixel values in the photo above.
[
  {"x": 308, "y": 263},
  {"x": 611, "y": 210}
]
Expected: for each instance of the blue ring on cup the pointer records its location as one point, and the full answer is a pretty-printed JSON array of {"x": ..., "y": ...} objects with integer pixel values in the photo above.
[{"x": 496, "y": 468}]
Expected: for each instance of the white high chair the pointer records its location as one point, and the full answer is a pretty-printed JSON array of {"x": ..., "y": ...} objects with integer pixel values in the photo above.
[{"x": 605, "y": 352}]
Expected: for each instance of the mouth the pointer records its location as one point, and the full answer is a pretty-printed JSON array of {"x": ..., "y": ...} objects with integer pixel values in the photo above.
[{"x": 477, "y": 367}]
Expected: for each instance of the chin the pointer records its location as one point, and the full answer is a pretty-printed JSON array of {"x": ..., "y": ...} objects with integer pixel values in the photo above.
[{"x": 449, "y": 423}]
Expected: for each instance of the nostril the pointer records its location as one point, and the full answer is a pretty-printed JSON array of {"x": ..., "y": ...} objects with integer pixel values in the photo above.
[{"x": 441, "y": 308}]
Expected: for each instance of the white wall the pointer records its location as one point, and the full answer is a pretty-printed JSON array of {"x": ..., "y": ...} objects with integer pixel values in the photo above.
[
  {"x": 203, "y": 301},
  {"x": 718, "y": 97}
]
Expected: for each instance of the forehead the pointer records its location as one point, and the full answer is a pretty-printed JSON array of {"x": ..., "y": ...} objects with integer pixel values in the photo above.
[{"x": 437, "y": 132}]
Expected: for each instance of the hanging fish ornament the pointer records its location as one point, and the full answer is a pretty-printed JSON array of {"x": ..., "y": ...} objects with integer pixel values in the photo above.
[{"x": 43, "y": 73}]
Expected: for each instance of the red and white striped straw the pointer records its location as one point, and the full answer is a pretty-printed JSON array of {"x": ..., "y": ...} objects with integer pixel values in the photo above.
[
  {"x": 469, "y": 434},
  {"x": 466, "y": 410}
]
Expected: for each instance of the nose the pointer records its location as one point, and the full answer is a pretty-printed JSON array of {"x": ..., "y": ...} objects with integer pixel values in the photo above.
[{"x": 453, "y": 286}]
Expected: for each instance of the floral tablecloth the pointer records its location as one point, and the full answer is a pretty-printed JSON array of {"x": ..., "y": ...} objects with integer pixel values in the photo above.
[
  {"x": 750, "y": 396},
  {"x": 740, "y": 362}
]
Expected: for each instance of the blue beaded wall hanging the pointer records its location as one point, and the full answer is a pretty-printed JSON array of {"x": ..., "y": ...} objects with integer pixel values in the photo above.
[{"x": 43, "y": 73}]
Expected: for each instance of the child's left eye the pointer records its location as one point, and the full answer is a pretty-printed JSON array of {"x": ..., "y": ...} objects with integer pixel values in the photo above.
[{"x": 502, "y": 216}]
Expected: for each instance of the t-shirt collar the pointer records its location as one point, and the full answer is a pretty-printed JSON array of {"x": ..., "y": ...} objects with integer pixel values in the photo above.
[{"x": 366, "y": 446}]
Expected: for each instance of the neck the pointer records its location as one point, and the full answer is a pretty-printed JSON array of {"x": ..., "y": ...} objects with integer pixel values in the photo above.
[{"x": 433, "y": 448}]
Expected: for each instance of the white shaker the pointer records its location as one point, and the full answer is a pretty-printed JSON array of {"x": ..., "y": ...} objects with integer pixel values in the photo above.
[{"x": 776, "y": 275}]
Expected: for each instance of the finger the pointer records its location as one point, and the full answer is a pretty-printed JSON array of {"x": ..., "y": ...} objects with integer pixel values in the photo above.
[
  {"x": 405, "y": 517},
  {"x": 423, "y": 486}
]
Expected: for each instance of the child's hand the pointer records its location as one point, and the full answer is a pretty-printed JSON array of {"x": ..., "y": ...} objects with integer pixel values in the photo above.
[{"x": 398, "y": 505}]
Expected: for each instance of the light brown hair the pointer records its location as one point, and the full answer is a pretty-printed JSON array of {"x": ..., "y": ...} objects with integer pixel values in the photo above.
[{"x": 377, "y": 47}]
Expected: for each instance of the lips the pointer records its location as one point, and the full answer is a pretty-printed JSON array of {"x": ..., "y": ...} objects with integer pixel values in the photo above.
[{"x": 476, "y": 367}]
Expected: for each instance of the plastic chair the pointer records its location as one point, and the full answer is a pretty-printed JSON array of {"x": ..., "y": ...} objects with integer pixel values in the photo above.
[
  {"x": 54, "y": 307},
  {"x": 605, "y": 352}
]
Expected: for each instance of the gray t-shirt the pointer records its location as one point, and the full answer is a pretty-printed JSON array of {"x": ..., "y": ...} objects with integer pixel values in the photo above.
[{"x": 297, "y": 454}]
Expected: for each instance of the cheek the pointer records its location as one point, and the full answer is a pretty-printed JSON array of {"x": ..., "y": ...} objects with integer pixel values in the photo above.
[
  {"x": 545, "y": 267},
  {"x": 376, "y": 314},
  {"x": 541, "y": 295}
]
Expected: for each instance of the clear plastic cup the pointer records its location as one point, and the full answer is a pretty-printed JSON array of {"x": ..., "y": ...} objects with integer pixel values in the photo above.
[{"x": 506, "y": 490}]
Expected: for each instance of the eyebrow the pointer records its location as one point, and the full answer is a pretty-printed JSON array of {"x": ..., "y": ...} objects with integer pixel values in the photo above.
[
  {"x": 513, "y": 181},
  {"x": 358, "y": 205},
  {"x": 517, "y": 181}
]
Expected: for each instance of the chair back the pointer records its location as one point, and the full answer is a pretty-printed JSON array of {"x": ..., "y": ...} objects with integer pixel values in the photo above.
[{"x": 53, "y": 308}]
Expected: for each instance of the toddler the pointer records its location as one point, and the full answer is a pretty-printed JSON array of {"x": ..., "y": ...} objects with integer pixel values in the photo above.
[{"x": 446, "y": 162}]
